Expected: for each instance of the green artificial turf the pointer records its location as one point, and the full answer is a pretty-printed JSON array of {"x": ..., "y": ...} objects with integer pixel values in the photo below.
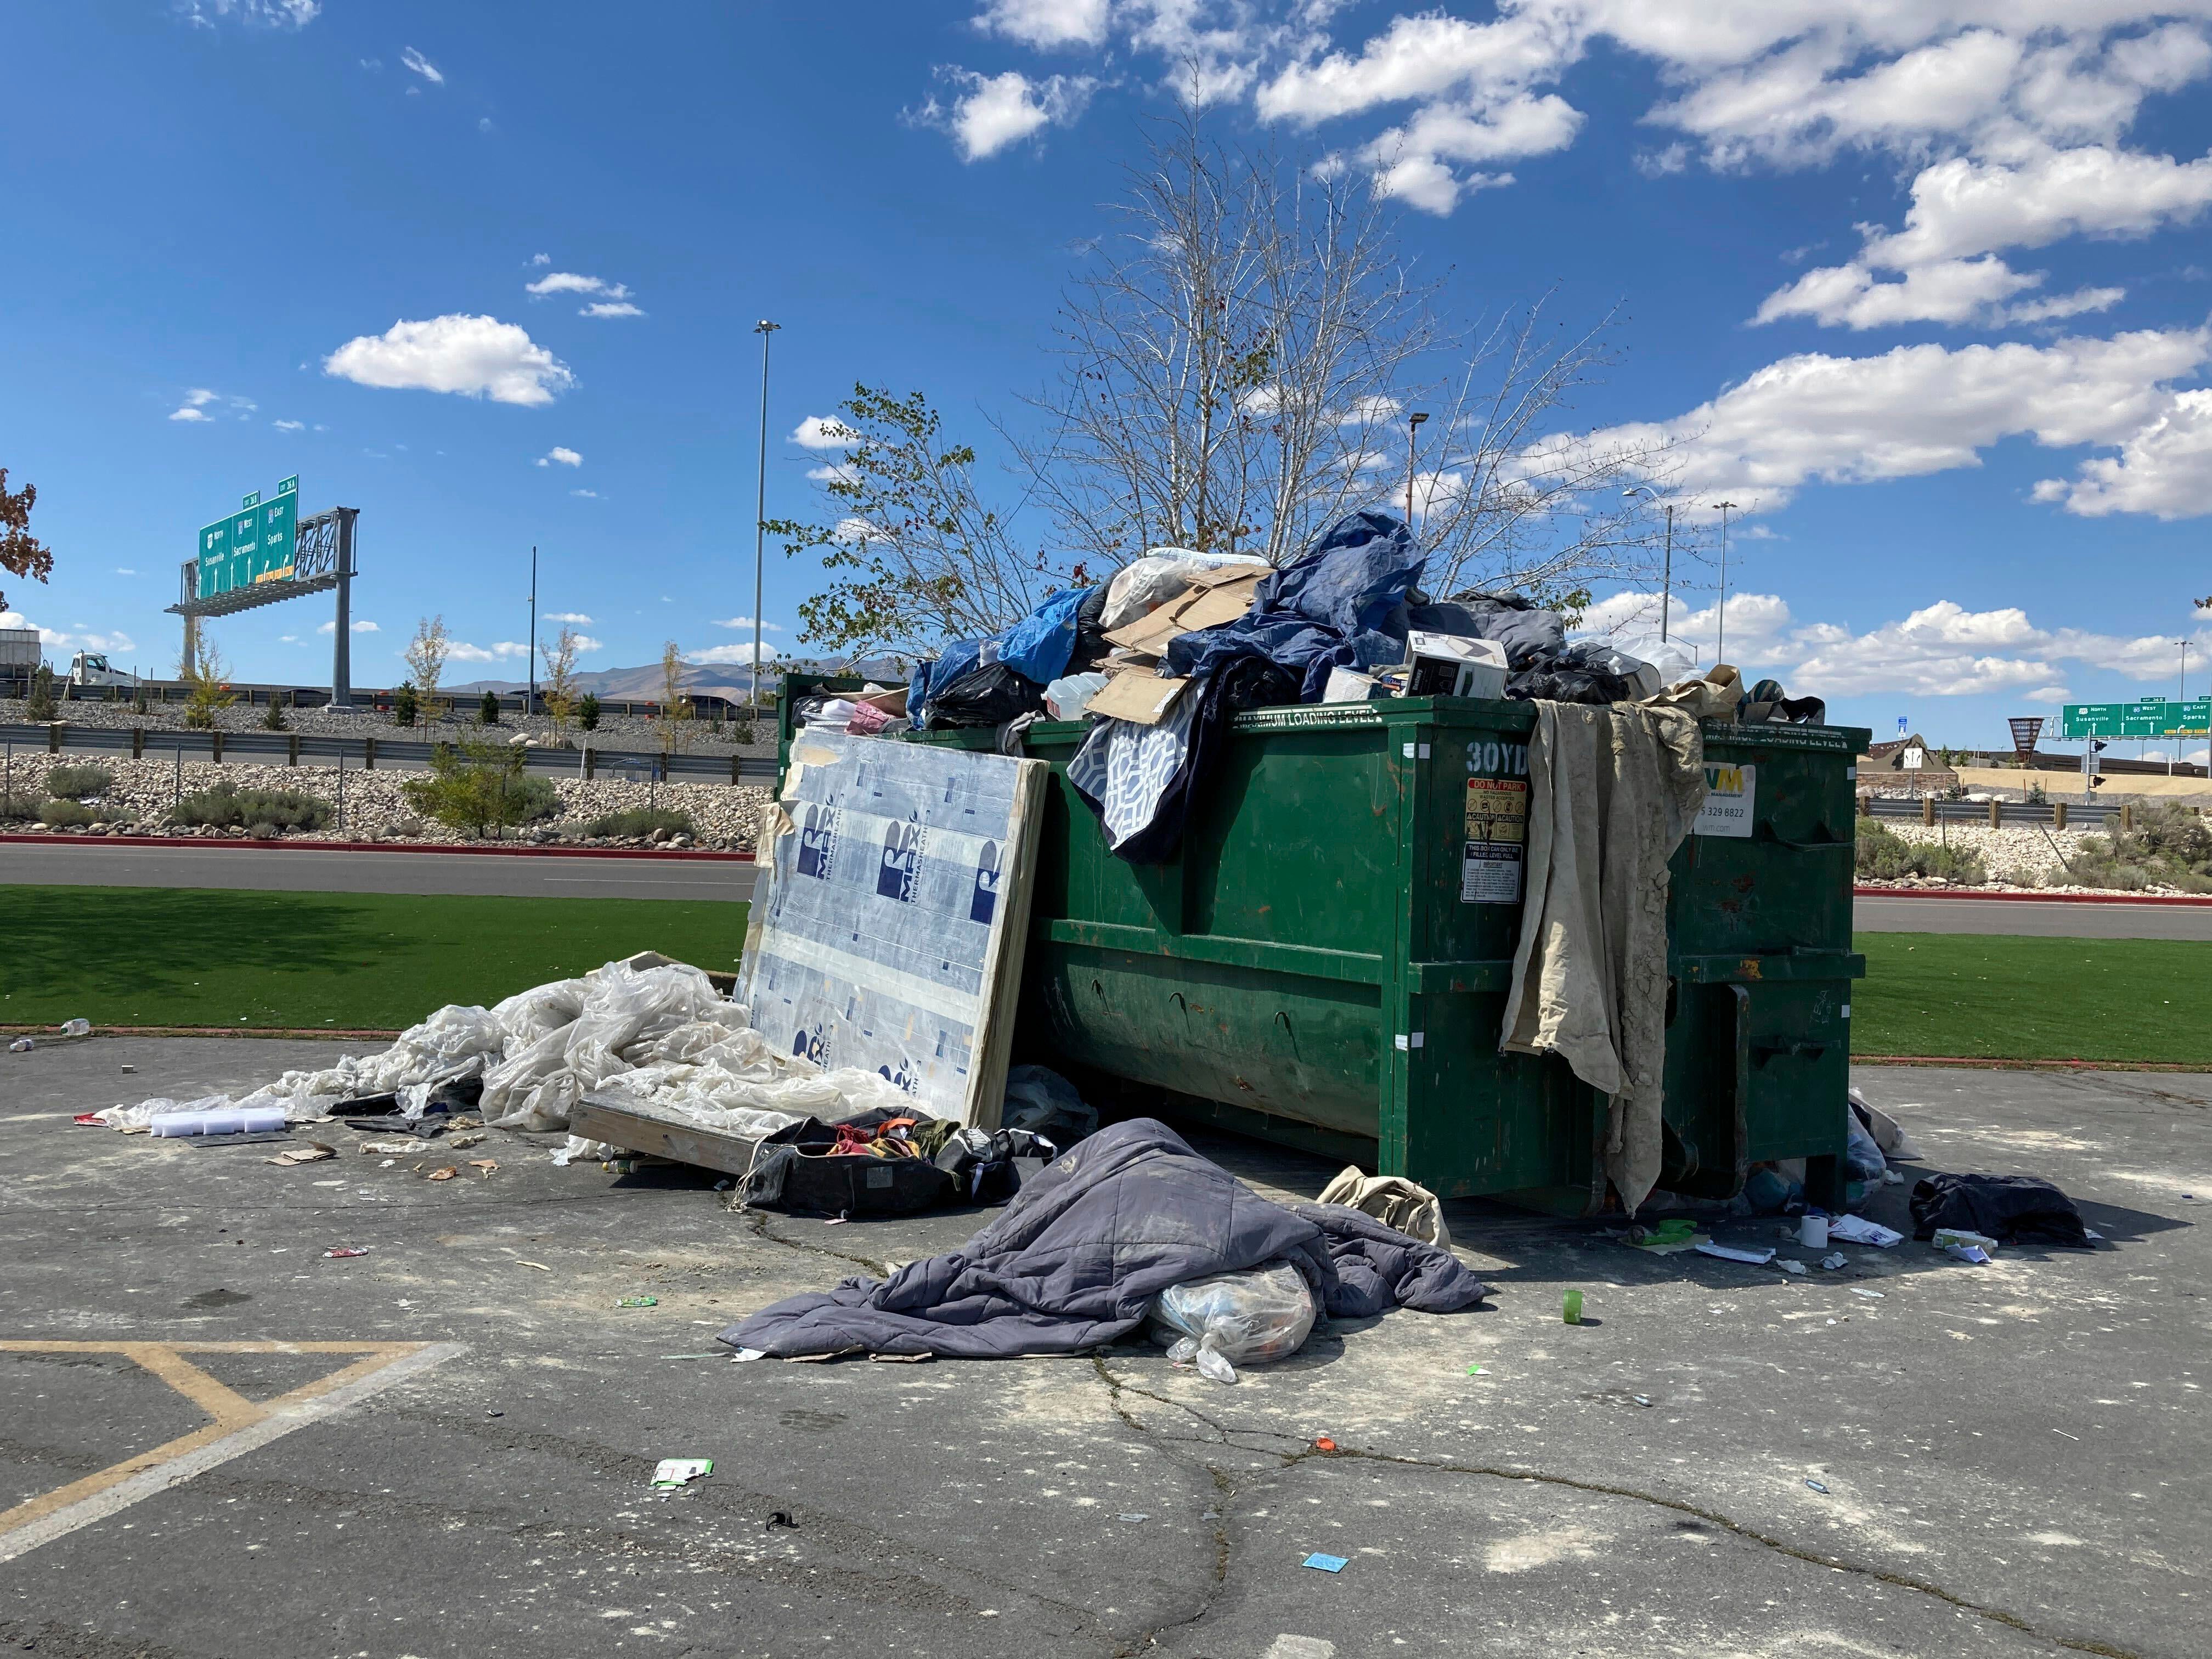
[
  {"x": 202, "y": 957},
  {"x": 2009, "y": 997}
]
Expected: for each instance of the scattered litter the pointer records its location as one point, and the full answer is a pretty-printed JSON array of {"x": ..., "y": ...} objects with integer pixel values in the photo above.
[
  {"x": 1813, "y": 1229},
  {"x": 717, "y": 1354},
  {"x": 392, "y": 1148},
  {"x": 443, "y": 1172},
  {"x": 1323, "y": 1444},
  {"x": 900, "y": 1358},
  {"x": 1327, "y": 1563},
  {"x": 223, "y": 1121},
  {"x": 1948, "y": 1238},
  {"x": 2074, "y": 1437},
  {"x": 1641, "y": 1399},
  {"x": 90, "y": 1120},
  {"x": 1132, "y": 1519},
  {"x": 639, "y": 1302},
  {"x": 22, "y": 1045},
  {"x": 487, "y": 1165},
  {"x": 129, "y": 1069},
  {"x": 1816, "y": 1487},
  {"x": 1857, "y": 1229},
  {"x": 1835, "y": 1263},
  {"x": 345, "y": 1251},
  {"x": 462, "y": 1143},
  {"x": 1477, "y": 1370},
  {"x": 77, "y": 1028},
  {"x": 673, "y": 1471},
  {"x": 540, "y": 1266},
  {"x": 745, "y": 1355},
  {"x": 1669, "y": 1237},
  {"x": 1892, "y": 1177},
  {"x": 1729, "y": 1253},
  {"x": 1871, "y": 1296},
  {"x": 781, "y": 1518},
  {"x": 1570, "y": 1308},
  {"x": 1973, "y": 1253},
  {"x": 2089, "y": 1233},
  {"x": 387, "y": 1162},
  {"x": 1789, "y": 1267},
  {"x": 329, "y": 1183},
  {"x": 313, "y": 1152}
]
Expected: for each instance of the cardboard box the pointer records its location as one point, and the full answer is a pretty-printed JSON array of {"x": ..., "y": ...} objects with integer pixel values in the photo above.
[
  {"x": 1213, "y": 598},
  {"x": 1140, "y": 696}
]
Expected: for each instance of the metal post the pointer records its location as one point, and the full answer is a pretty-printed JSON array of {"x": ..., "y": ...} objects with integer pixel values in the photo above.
[
  {"x": 530, "y": 708},
  {"x": 341, "y": 828},
  {"x": 1666, "y": 574},
  {"x": 1412, "y": 436},
  {"x": 764, "y": 328},
  {"x": 1720, "y": 646},
  {"x": 341, "y": 637},
  {"x": 177, "y": 788}
]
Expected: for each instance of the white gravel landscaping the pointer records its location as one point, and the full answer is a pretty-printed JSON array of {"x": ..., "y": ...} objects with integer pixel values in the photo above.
[{"x": 725, "y": 814}]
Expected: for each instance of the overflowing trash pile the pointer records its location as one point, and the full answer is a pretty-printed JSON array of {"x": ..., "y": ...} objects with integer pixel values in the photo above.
[{"x": 1159, "y": 658}]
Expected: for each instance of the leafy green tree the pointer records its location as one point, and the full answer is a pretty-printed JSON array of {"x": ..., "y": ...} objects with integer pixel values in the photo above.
[
  {"x": 406, "y": 707},
  {"x": 21, "y": 553},
  {"x": 479, "y": 787},
  {"x": 488, "y": 709},
  {"x": 588, "y": 711}
]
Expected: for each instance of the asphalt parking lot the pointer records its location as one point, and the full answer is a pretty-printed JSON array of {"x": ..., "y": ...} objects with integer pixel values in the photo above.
[{"x": 2008, "y": 1460}]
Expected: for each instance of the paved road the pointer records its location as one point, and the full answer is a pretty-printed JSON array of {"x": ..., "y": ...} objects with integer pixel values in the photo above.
[
  {"x": 1724, "y": 1458},
  {"x": 302, "y": 871},
  {"x": 1937, "y": 915}
]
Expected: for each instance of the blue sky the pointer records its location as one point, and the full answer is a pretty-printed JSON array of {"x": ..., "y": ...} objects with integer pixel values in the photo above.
[{"x": 1925, "y": 284}]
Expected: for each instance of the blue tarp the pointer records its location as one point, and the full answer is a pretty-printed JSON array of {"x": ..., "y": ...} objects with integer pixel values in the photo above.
[
  {"x": 1340, "y": 605},
  {"x": 1037, "y": 647}
]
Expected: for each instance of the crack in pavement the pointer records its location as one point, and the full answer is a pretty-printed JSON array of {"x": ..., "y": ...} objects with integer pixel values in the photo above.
[{"x": 1222, "y": 1432}]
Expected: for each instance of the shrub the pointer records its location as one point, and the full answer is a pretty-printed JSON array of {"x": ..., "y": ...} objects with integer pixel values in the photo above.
[
  {"x": 587, "y": 712},
  {"x": 226, "y": 807},
  {"x": 142, "y": 704},
  {"x": 76, "y": 782},
  {"x": 2170, "y": 846},
  {"x": 488, "y": 710},
  {"x": 641, "y": 821},
  {"x": 274, "y": 720},
  {"x": 479, "y": 787},
  {"x": 1885, "y": 857},
  {"x": 65, "y": 814},
  {"x": 41, "y": 707},
  {"x": 18, "y": 807},
  {"x": 405, "y": 706},
  {"x": 742, "y": 734}
]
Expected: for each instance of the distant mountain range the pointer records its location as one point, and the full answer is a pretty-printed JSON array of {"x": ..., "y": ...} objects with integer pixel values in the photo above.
[{"x": 732, "y": 681}]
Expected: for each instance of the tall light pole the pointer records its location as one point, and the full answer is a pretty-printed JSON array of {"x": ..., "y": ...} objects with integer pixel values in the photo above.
[
  {"x": 1412, "y": 437},
  {"x": 764, "y": 328},
  {"x": 530, "y": 708},
  {"x": 1667, "y": 571},
  {"x": 1720, "y": 643}
]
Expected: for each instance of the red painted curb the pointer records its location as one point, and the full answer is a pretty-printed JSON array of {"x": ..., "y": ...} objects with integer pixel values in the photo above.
[
  {"x": 174, "y": 841},
  {"x": 2032, "y": 898}
]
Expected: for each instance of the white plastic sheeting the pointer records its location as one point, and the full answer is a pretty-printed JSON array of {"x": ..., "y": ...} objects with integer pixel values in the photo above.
[
  {"x": 654, "y": 1032},
  {"x": 1143, "y": 585}
]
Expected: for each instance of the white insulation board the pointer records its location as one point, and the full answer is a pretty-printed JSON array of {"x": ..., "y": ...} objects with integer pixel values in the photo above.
[{"x": 887, "y": 929}]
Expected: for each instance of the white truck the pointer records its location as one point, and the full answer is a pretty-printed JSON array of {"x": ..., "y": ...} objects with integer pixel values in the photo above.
[{"x": 89, "y": 670}]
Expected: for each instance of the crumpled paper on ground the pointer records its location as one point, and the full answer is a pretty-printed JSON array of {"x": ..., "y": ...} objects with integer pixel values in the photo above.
[{"x": 654, "y": 1032}]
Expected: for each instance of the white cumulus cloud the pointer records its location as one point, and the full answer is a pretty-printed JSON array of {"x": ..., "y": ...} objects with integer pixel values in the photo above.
[
  {"x": 422, "y": 66},
  {"x": 747, "y": 622},
  {"x": 570, "y": 281},
  {"x": 610, "y": 308},
  {"x": 564, "y": 456},
  {"x": 731, "y": 654},
  {"x": 989, "y": 113},
  {"x": 1046, "y": 23},
  {"x": 823, "y": 432},
  {"x": 473, "y": 357},
  {"x": 362, "y": 627}
]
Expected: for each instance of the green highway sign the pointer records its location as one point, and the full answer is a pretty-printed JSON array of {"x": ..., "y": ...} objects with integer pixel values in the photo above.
[
  {"x": 253, "y": 544},
  {"x": 2151, "y": 717}
]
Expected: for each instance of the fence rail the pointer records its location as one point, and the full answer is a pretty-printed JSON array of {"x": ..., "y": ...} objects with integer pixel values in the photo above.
[
  {"x": 2061, "y": 814},
  {"x": 302, "y": 749}
]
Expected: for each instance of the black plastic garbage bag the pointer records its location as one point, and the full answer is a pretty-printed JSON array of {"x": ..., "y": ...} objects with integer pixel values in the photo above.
[
  {"x": 2011, "y": 1209},
  {"x": 990, "y": 695}
]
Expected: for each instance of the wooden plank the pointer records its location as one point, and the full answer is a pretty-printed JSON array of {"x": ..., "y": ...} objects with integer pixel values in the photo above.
[
  {"x": 634, "y": 1132},
  {"x": 994, "y": 1039}
]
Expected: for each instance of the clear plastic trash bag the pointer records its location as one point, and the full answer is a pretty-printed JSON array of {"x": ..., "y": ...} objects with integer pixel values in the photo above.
[{"x": 1249, "y": 1318}]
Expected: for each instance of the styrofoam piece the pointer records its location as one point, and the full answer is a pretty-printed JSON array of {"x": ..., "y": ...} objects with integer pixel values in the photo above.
[{"x": 228, "y": 1121}]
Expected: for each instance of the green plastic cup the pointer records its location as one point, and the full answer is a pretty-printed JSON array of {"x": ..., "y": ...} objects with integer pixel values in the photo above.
[{"x": 1570, "y": 1308}]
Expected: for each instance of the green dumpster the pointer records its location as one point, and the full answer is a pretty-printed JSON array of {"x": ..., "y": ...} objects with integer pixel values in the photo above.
[{"x": 1325, "y": 964}]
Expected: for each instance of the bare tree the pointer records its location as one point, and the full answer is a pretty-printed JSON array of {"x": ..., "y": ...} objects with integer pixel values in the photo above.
[
  {"x": 425, "y": 657},
  {"x": 560, "y": 678},
  {"x": 1237, "y": 371}
]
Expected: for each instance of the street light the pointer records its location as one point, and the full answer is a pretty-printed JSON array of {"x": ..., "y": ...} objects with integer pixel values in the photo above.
[
  {"x": 1412, "y": 436},
  {"x": 1720, "y": 643},
  {"x": 530, "y": 708},
  {"x": 1667, "y": 575},
  {"x": 764, "y": 328}
]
